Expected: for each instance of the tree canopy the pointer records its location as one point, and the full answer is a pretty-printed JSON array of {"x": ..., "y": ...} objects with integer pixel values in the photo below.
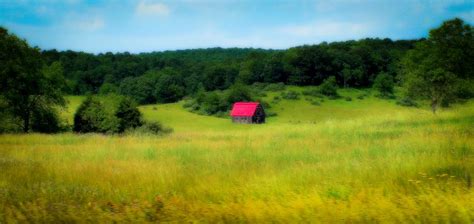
[
  {"x": 29, "y": 87},
  {"x": 438, "y": 67}
]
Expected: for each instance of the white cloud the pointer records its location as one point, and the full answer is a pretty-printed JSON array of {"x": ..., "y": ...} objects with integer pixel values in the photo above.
[{"x": 151, "y": 9}]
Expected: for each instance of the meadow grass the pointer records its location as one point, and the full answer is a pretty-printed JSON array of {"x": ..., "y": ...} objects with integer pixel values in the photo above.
[{"x": 343, "y": 161}]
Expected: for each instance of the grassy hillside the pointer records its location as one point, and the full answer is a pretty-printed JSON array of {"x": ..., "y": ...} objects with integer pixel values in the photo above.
[{"x": 343, "y": 161}]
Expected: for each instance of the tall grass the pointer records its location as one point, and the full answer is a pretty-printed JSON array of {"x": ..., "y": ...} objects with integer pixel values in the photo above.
[{"x": 386, "y": 164}]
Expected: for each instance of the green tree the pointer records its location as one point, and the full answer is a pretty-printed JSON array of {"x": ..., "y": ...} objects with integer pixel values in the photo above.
[
  {"x": 108, "y": 88},
  {"x": 141, "y": 89},
  {"x": 236, "y": 93},
  {"x": 329, "y": 87},
  {"x": 128, "y": 115},
  {"x": 91, "y": 116},
  {"x": 384, "y": 85},
  {"x": 26, "y": 84},
  {"x": 169, "y": 86},
  {"x": 435, "y": 67}
]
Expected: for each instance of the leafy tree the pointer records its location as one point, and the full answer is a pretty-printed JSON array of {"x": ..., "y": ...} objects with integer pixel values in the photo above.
[
  {"x": 274, "y": 70},
  {"x": 436, "y": 67},
  {"x": 46, "y": 120},
  {"x": 141, "y": 89},
  {"x": 384, "y": 84},
  {"x": 108, "y": 88},
  {"x": 213, "y": 103},
  {"x": 128, "y": 115},
  {"x": 329, "y": 87},
  {"x": 25, "y": 83},
  {"x": 91, "y": 116},
  {"x": 169, "y": 86},
  {"x": 238, "y": 93}
]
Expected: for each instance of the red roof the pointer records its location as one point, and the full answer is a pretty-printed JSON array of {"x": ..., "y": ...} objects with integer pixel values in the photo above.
[{"x": 244, "y": 109}]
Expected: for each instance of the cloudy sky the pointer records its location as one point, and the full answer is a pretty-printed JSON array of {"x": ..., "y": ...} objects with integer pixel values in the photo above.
[{"x": 155, "y": 25}]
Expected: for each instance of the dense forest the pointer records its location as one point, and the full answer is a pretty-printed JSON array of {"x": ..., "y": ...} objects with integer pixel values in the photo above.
[{"x": 170, "y": 75}]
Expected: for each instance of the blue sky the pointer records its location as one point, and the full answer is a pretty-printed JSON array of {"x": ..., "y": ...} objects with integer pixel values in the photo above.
[{"x": 156, "y": 25}]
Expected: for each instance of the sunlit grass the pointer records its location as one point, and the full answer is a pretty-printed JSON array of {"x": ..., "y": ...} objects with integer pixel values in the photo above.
[{"x": 344, "y": 161}]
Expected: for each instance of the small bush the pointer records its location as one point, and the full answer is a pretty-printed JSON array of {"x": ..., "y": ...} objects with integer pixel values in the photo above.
[
  {"x": 384, "y": 84},
  {"x": 128, "y": 115},
  {"x": 108, "y": 88},
  {"x": 315, "y": 92},
  {"x": 91, "y": 116},
  {"x": 115, "y": 115},
  {"x": 154, "y": 128},
  {"x": 189, "y": 103},
  {"x": 348, "y": 98},
  {"x": 361, "y": 97},
  {"x": 259, "y": 85},
  {"x": 273, "y": 87},
  {"x": 271, "y": 114},
  {"x": 329, "y": 87},
  {"x": 290, "y": 95},
  {"x": 46, "y": 120},
  {"x": 407, "y": 102},
  {"x": 264, "y": 104},
  {"x": 315, "y": 103}
]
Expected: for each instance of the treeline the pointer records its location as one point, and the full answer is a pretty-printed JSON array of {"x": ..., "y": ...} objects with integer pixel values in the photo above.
[{"x": 168, "y": 76}]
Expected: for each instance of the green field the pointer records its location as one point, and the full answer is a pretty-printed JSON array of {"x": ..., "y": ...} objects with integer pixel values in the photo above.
[{"x": 343, "y": 161}]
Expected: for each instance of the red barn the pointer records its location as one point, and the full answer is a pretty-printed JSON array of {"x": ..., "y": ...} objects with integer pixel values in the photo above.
[{"x": 248, "y": 112}]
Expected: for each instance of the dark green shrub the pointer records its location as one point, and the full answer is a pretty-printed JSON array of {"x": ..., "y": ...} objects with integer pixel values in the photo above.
[
  {"x": 128, "y": 115},
  {"x": 9, "y": 123},
  {"x": 348, "y": 98},
  {"x": 407, "y": 102},
  {"x": 141, "y": 88},
  {"x": 154, "y": 128},
  {"x": 108, "y": 88},
  {"x": 91, "y": 117},
  {"x": 259, "y": 85},
  {"x": 189, "y": 103},
  {"x": 264, "y": 104},
  {"x": 465, "y": 89},
  {"x": 238, "y": 93},
  {"x": 315, "y": 92},
  {"x": 384, "y": 85},
  {"x": 271, "y": 114},
  {"x": 273, "y": 87},
  {"x": 315, "y": 103},
  {"x": 329, "y": 87},
  {"x": 169, "y": 86},
  {"x": 46, "y": 120},
  {"x": 116, "y": 114},
  {"x": 290, "y": 95}
]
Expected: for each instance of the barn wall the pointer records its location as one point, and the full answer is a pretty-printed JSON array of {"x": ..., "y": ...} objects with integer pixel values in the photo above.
[{"x": 242, "y": 120}]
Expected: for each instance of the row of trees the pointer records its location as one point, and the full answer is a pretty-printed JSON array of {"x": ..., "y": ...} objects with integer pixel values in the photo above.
[{"x": 352, "y": 63}]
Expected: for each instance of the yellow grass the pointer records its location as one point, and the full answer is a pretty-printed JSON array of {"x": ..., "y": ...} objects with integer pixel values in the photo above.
[{"x": 359, "y": 161}]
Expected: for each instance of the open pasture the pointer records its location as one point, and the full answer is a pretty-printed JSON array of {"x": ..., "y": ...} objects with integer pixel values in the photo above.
[{"x": 343, "y": 161}]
